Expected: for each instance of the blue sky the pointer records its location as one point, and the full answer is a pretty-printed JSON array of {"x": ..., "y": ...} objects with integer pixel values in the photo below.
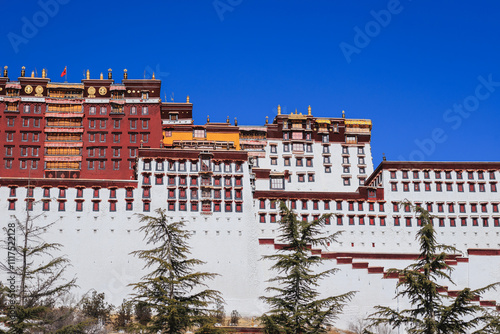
[{"x": 426, "y": 73}]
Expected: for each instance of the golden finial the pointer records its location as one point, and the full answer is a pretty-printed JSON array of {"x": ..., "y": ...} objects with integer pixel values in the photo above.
[
  {"x": 44, "y": 73},
  {"x": 101, "y": 76},
  {"x": 267, "y": 119},
  {"x": 235, "y": 121},
  {"x": 343, "y": 114},
  {"x": 32, "y": 74},
  {"x": 208, "y": 118},
  {"x": 88, "y": 75},
  {"x": 279, "y": 109},
  {"x": 227, "y": 120},
  {"x": 153, "y": 76},
  {"x": 23, "y": 71},
  {"x": 125, "y": 74},
  {"x": 309, "y": 110},
  {"x": 187, "y": 99},
  {"x": 5, "y": 72},
  {"x": 383, "y": 157},
  {"x": 110, "y": 74},
  {"x": 295, "y": 111}
]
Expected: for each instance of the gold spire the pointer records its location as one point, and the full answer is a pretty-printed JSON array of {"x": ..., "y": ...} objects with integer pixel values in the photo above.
[
  {"x": 23, "y": 71},
  {"x": 110, "y": 74},
  {"x": 227, "y": 120},
  {"x": 32, "y": 74},
  {"x": 235, "y": 121},
  {"x": 101, "y": 76},
  {"x": 125, "y": 74},
  {"x": 208, "y": 118},
  {"x": 153, "y": 76},
  {"x": 44, "y": 73},
  {"x": 187, "y": 99},
  {"x": 88, "y": 75},
  {"x": 296, "y": 111},
  {"x": 309, "y": 110},
  {"x": 5, "y": 72},
  {"x": 279, "y": 109},
  {"x": 343, "y": 114},
  {"x": 267, "y": 119}
]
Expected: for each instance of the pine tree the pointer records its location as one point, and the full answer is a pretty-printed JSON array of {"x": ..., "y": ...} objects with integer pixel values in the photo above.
[
  {"x": 295, "y": 307},
  {"x": 39, "y": 274},
  {"x": 173, "y": 289},
  {"x": 433, "y": 312}
]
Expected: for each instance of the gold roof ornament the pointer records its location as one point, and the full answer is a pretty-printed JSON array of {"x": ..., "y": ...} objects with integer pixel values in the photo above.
[
  {"x": 32, "y": 74},
  {"x": 23, "y": 71},
  {"x": 227, "y": 120},
  {"x": 44, "y": 73},
  {"x": 5, "y": 71},
  {"x": 153, "y": 78},
  {"x": 101, "y": 77},
  {"x": 187, "y": 99},
  {"x": 208, "y": 118},
  {"x": 235, "y": 121},
  {"x": 88, "y": 75},
  {"x": 296, "y": 111},
  {"x": 110, "y": 74},
  {"x": 279, "y": 109},
  {"x": 125, "y": 75},
  {"x": 267, "y": 119},
  {"x": 343, "y": 114},
  {"x": 309, "y": 110}
]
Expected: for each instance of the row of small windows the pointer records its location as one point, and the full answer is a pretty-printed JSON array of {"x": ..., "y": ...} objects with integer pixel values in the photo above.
[
  {"x": 452, "y": 207},
  {"x": 481, "y": 187},
  {"x": 102, "y": 123},
  {"x": 207, "y": 206},
  {"x": 194, "y": 193},
  {"x": 459, "y": 175},
  {"x": 182, "y": 166},
  {"x": 133, "y": 137},
  {"x": 93, "y": 110},
  {"x": 79, "y": 205},
  {"x": 184, "y": 180},
  {"x": 61, "y": 192},
  {"x": 382, "y": 221},
  {"x": 325, "y": 205}
]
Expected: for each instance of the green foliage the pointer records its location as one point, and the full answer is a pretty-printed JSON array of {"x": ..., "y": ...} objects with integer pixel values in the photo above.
[
  {"x": 173, "y": 289},
  {"x": 95, "y": 307},
  {"x": 142, "y": 313},
  {"x": 39, "y": 275},
  {"x": 433, "y": 312},
  {"x": 123, "y": 317},
  {"x": 295, "y": 306},
  {"x": 235, "y": 318}
]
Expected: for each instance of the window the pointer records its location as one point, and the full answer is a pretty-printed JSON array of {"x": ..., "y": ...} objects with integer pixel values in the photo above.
[
  {"x": 103, "y": 110},
  {"x": 301, "y": 178},
  {"x": 62, "y": 206},
  {"x": 274, "y": 161},
  {"x": 274, "y": 149},
  {"x": 182, "y": 206},
  {"x": 474, "y": 222},
  {"x": 440, "y": 207},
  {"x": 146, "y": 206},
  {"x": 416, "y": 186},
  {"x": 309, "y": 162},
  {"x": 229, "y": 207},
  {"x": 310, "y": 178},
  {"x": 472, "y": 187},
  {"x": 339, "y": 205},
  {"x": 406, "y": 186},
  {"x": 145, "y": 110},
  {"x": 361, "y": 220},
  {"x": 328, "y": 169},
  {"x": 145, "y": 123},
  {"x": 481, "y": 187},
  {"x": 396, "y": 221},
  {"x": 449, "y": 186},
  {"x": 92, "y": 110},
  {"x": 484, "y": 207},
  {"x": 133, "y": 124},
  {"x": 277, "y": 183},
  {"x": 10, "y": 136},
  {"x": 199, "y": 133},
  {"x": 439, "y": 186},
  {"x": 112, "y": 206},
  {"x": 473, "y": 208},
  {"x": 339, "y": 220},
  {"x": 451, "y": 208},
  {"x": 493, "y": 187},
  {"x": 463, "y": 221},
  {"x": 102, "y": 124},
  {"x": 351, "y": 220},
  {"x": 485, "y": 222},
  {"x": 441, "y": 222},
  {"x": 461, "y": 207},
  {"x": 494, "y": 207},
  {"x": 460, "y": 187},
  {"x": 129, "y": 206},
  {"x": 309, "y": 147},
  {"x": 394, "y": 186},
  {"x": 298, "y": 147},
  {"x": 347, "y": 181}
]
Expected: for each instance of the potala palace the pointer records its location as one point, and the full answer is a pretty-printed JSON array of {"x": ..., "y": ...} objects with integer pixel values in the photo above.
[{"x": 90, "y": 156}]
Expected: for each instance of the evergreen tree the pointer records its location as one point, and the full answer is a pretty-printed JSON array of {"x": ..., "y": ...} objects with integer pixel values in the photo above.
[
  {"x": 173, "y": 289},
  {"x": 433, "y": 312},
  {"x": 38, "y": 273},
  {"x": 296, "y": 307}
]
